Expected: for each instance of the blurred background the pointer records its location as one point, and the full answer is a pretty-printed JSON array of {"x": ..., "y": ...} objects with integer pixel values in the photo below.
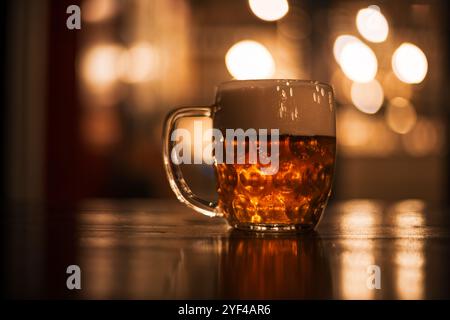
[{"x": 83, "y": 109}]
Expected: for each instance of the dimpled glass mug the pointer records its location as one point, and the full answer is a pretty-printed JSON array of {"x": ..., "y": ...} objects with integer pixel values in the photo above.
[{"x": 296, "y": 129}]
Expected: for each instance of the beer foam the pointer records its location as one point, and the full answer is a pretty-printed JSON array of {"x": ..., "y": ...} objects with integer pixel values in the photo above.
[{"x": 295, "y": 107}]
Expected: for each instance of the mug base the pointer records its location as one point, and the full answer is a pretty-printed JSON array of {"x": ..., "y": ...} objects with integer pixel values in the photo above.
[{"x": 274, "y": 227}]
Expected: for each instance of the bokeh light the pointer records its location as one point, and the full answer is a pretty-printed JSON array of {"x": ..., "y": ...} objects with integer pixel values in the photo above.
[
  {"x": 99, "y": 65},
  {"x": 424, "y": 139},
  {"x": 400, "y": 115},
  {"x": 340, "y": 43},
  {"x": 342, "y": 87},
  {"x": 138, "y": 63},
  {"x": 249, "y": 59},
  {"x": 362, "y": 134},
  {"x": 393, "y": 87},
  {"x": 353, "y": 130},
  {"x": 367, "y": 97},
  {"x": 372, "y": 24},
  {"x": 409, "y": 63},
  {"x": 98, "y": 10},
  {"x": 358, "y": 62},
  {"x": 269, "y": 10}
]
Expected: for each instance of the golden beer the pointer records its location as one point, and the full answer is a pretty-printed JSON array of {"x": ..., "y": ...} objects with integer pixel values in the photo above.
[{"x": 295, "y": 195}]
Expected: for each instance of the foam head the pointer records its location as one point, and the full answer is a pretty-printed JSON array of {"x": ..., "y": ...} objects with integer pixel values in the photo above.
[{"x": 295, "y": 107}]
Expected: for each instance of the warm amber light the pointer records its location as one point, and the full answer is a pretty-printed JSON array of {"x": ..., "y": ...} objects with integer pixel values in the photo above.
[
  {"x": 138, "y": 63},
  {"x": 352, "y": 129},
  {"x": 409, "y": 63},
  {"x": 362, "y": 134},
  {"x": 409, "y": 205},
  {"x": 359, "y": 213},
  {"x": 367, "y": 97},
  {"x": 425, "y": 138},
  {"x": 372, "y": 24},
  {"x": 98, "y": 10},
  {"x": 358, "y": 217},
  {"x": 393, "y": 87},
  {"x": 342, "y": 87},
  {"x": 269, "y": 10},
  {"x": 200, "y": 140},
  {"x": 409, "y": 220},
  {"x": 409, "y": 265},
  {"x": 358, "y": 62},
  {"x": 400, "y": 115},
  {"x": 249, "y": 59},
  {"x": 357, "y": 255},
  {"x": 340, "y": 43},
  {"x": 99, "y": 66}
]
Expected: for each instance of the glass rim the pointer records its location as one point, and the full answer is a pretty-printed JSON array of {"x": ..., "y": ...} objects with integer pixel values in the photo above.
[{"x": 238, "y": 84}]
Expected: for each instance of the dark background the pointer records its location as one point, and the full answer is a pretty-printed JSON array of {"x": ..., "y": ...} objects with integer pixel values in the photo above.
[
  {"x": 65, "y": 141},
  {"x": 48, "y": 158}
]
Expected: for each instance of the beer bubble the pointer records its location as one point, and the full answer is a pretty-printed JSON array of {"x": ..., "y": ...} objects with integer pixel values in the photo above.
[
  {"x": 296, "y": 193},
  {"x": 298, "y": 208},
  {"x": 271, "y": 207},
  {"x": 323, "y": 176},
  {"x": 256, "y": 219},
  {"x": 252, "y": 180},
  {"x": 309, "y": 178},
  {"x": 243, "y": 208},
  {"x": 287, "y": 181},
  {"x": 227, "y": 174},
  {"x": 285, "y": 166},
  {"x": 304, "y": 149}
]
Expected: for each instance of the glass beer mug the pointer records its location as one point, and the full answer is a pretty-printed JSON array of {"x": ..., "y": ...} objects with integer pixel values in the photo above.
[{"x": 273, "y": 147}]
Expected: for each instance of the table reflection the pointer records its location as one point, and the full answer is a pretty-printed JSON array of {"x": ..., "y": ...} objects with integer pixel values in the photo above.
[
  {"x": 409, "y": 265},
  {"x": 231, "y": 265},
  {"x": 168, "y": 253},
  {"x": 358, "y": 218},
  {"x": 274, "y": 267},
  {"x": 409, "y": 220},
  {"x": 393, "y": 237}
]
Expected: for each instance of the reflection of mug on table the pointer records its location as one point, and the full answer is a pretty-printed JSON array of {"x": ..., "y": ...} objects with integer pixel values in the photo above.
[
  {"x": 274, "y": 267},
  {"x": 273, "y": 144}
]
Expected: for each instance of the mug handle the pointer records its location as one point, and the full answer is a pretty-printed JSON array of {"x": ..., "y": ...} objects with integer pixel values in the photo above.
[{"x": 173, "y": 171}]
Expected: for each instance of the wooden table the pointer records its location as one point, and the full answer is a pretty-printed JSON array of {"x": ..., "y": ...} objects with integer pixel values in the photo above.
[{"x": 162, "y": 250}]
